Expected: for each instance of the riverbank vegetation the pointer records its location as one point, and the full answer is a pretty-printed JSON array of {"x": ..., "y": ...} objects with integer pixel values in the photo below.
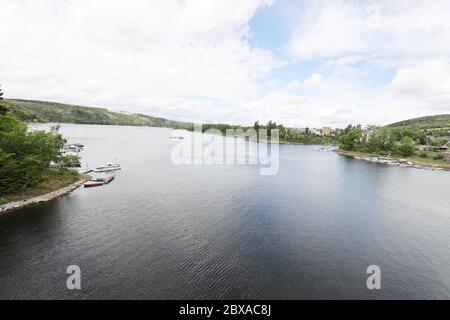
[
  {"x": 52, "y": 179},
  {"x": 26, "y": 158},
  {"x": 425, "y": 141},
  {"x": 286, "y": 135}
]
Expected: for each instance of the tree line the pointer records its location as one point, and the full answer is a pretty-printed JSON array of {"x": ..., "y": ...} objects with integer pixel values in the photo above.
[{"x": 288, "y": 135}]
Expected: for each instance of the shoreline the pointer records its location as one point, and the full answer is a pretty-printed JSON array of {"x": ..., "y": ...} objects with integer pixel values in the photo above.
[
  {"x": 414, "y": 163},
  {"x": 11, "y": 206}
]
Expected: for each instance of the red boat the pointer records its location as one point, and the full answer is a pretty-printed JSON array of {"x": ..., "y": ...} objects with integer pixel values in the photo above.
[{"x": 93, "y": 184}]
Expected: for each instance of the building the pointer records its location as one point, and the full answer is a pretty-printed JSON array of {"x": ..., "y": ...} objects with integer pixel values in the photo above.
[
  {"x": 368, "y": 134},
  {"x": 315, "y": 131},
  {"x": 326, "y": 131}
]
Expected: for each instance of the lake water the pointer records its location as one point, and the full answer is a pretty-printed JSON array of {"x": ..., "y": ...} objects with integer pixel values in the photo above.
[{"x": 162, "y": 231}]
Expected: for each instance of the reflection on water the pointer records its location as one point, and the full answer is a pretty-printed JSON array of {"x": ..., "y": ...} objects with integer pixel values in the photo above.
[{"x": 165, "y": 231}]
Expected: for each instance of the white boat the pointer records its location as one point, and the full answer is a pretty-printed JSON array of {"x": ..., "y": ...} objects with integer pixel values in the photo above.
[
  {"x": 109, "y": 166},
  {"x": 69, "y": 153}
]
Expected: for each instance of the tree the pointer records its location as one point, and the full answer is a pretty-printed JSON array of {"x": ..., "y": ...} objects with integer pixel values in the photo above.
[
  {"x": 423, "y": 139},
  {"x": 282, "y": 132},
  {"x": 256, "y": 126},
  {"x": 24, "y": 155},
  {"x": 270, "y": 126},
  {"x": 3, "y": 108},
  {"x": 351, "y": 140},
  {"x": 407, "y": 148},
  {"x": 381, "y": 140}
]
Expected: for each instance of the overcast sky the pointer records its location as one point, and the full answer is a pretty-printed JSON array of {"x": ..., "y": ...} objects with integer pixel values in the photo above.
[{"x": 301, "y": 63}]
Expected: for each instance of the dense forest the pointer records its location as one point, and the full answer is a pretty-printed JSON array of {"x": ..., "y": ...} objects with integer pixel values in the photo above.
[
  {"x": 43, "y": 111},
  {"x": 431, "y": 122}
]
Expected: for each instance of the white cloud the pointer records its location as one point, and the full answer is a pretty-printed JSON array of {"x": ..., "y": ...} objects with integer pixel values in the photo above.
[
  {"x": 137, "y": 55},
  {"x": 428, "y": 81},
  {"x": 352, "y": 39},
  {"x": 328, "y": 29},
  {"x": 390, "y": 32},
  {"x": 344, "y": 65},
  {"x": 294, "y": 85},
  {"x": 313, "y": 80},
  {"x": 193, "y": 60}
]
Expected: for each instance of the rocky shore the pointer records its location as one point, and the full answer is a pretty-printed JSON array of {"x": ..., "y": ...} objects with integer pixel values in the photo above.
[
  {"x": 405, "y": 163},
  {"x": 43, "y": 198}
]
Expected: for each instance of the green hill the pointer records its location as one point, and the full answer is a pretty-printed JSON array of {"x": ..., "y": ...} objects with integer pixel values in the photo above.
[
  {"x": 44, "y": 111},
  {"x": 430, "y": 122}
]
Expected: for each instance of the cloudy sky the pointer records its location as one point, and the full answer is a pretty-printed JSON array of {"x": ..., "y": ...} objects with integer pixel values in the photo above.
[{"x": 299, "y": 62}]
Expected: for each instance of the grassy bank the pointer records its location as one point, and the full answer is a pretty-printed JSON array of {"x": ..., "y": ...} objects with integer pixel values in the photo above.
[
  {"x": 425, "y": 162},
  {"x": 53, "y": 179}
]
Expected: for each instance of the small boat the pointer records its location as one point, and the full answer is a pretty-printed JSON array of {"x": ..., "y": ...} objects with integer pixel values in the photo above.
[
  {"x": 73, "y": 148},
  {"x": 326, "y": 149},
  {"x": 91, "y": 184},
  {"x": 177, "y": 138},
  {"x": 108, "y": 180},
  {"x": 69, "y": 153},
  {"x": 98, "y": 182},
  {"x": 110, "y": 166}
]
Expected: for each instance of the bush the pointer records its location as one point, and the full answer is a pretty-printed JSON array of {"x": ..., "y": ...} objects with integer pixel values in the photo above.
[
  {"x": 423, "y": 155},
  {"x": 439, "y": 156},
  {"x": 407, "y": 148},
  {"x": 3, "y": 201}
]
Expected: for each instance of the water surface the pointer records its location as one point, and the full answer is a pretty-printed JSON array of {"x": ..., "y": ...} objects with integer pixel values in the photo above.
[{"x": 162, "y": 231}]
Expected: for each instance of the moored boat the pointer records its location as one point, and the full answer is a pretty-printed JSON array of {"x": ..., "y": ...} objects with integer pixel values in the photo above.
[
  {"x": 110, "y": 166},
  {"x": 108, "y": 180},
  {"x": 91, "y": 184},
  {"x": 177, "y": 138},
  {"x": 79, "y": 145},
  {"x": 98, "y": 182}
]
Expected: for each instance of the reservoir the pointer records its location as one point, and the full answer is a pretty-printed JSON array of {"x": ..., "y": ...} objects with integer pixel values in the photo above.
[{"x": 167, "y": 231}]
